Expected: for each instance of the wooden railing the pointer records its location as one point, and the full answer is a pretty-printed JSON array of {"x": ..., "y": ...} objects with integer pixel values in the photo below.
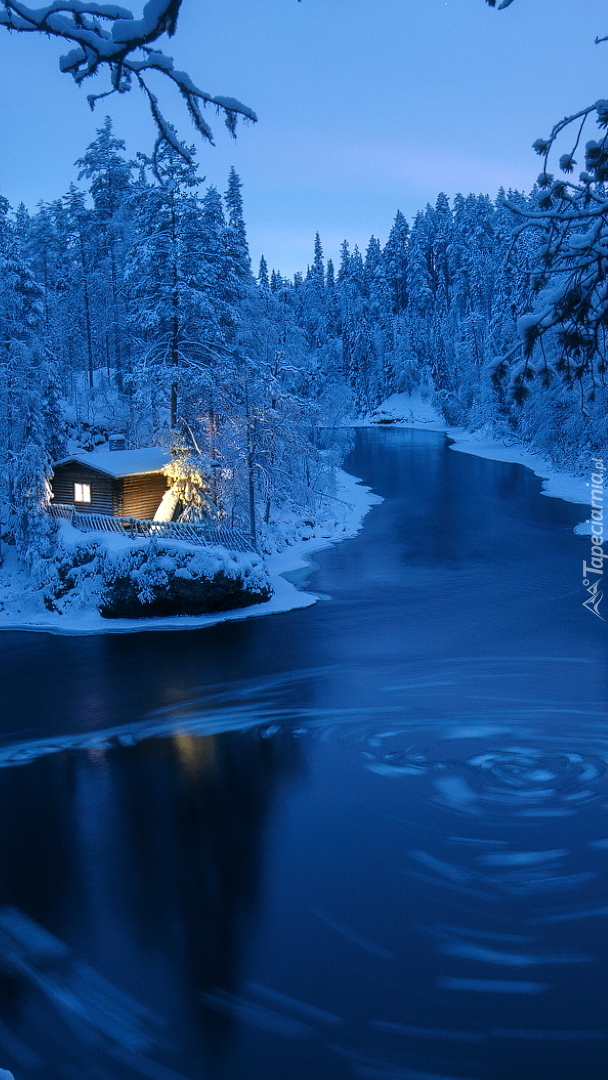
[{"x": 190, "y": 532}]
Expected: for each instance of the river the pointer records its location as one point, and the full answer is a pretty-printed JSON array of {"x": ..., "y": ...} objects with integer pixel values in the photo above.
[{"x": 367, "y": 838}]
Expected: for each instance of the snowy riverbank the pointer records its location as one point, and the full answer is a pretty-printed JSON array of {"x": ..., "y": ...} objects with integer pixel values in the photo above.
[
  {"x": 352, "y": 501},
  {"x": 414, "y": 411},
  {"x": 291, "y": 566}
]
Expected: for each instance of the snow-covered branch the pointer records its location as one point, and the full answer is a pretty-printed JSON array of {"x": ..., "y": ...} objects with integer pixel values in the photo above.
[
  {"x": 108, "y": 37},
  {"x": 572, "y": 216}
]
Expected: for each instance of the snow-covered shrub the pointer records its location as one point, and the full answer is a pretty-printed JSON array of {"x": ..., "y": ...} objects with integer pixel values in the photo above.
[
  {"x": 189, "y": 477},
  {"x": 155, "y": 579},
  {"x": 73, "y": 576},
  {"x": 146, "y": 578}
]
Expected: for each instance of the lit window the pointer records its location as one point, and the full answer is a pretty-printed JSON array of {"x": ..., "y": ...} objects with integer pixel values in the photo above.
[{"x": 82, "y": 493}]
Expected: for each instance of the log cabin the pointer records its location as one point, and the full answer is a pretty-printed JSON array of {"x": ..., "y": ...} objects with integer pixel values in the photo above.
[{"x": 122, "y": 483}]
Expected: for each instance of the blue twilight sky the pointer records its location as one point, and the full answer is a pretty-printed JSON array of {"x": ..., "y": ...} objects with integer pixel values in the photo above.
[{"x": 364, "y": 106}]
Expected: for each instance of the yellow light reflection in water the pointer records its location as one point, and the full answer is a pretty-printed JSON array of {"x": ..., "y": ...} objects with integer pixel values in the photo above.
[{"x": 196, "y": 752}]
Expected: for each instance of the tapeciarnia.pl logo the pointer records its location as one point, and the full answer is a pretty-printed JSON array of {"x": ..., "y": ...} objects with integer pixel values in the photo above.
[{"x": 593, "y": 572}]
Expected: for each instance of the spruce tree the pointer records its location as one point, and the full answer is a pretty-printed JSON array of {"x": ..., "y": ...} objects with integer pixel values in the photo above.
[{"x": 395, "y": 261}]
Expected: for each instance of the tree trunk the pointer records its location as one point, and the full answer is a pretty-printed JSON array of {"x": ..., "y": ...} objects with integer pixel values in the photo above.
[
  {"x": 87, "y": 309},
  {"x": 174, "y": 346},
  {"x": 115, "y": 329},
  {"x": 250, "y": 465}
]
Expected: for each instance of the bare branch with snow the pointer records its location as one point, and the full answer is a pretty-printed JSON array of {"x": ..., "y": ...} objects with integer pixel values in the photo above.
[{"x": 107, "y": 37}]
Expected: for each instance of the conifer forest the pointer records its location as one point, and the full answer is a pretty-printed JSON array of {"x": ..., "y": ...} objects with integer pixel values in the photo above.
[{"x": 130, "y": 305}]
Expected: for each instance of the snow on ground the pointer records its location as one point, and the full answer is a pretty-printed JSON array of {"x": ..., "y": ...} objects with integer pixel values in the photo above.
[
  {"x": 292, "y": 565},
  {"x": 352, "y": 501},
  {"x": 583, "y": 529},
  {"x": 415, "y": 411}
]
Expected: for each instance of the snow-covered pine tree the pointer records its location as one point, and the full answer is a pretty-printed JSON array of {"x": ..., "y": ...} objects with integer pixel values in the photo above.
[
  {"x": 29, "y": 425},
  {"x": 263, "y": 280},
  {"x": 169, "y": 301},
  {"x": 395, "y": 262},
  {"x": 109, "y": 176}
]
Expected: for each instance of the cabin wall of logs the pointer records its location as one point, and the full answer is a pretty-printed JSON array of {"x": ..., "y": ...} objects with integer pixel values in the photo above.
[{"x": 128, "y": 496}]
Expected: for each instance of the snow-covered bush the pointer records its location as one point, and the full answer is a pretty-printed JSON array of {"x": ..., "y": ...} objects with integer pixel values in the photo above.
[
  {"x": 152, "y": 579},
  {"x": 147, "y": 578},
  {"x": 72, "y": 577}
]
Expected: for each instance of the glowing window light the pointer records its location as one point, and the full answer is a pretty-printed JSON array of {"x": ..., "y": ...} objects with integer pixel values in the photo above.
[{"x": 82, "y": 493}]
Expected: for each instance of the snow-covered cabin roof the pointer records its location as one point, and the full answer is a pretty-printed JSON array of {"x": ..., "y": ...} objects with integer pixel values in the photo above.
[{"x": 119, "y": 463}]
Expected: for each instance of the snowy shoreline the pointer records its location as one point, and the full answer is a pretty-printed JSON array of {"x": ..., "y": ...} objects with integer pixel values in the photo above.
[
  {"x": 399, "y": 410},
  {"x": 355, "y": 499},
  {"x": 417, "y": 413}
]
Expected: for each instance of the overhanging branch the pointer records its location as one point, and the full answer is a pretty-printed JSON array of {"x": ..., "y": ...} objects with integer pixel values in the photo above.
[{"x": 109, "y": 37}]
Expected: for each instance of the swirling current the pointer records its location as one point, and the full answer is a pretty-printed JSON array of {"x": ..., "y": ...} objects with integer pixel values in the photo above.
[{"x": 363, "y": 839}]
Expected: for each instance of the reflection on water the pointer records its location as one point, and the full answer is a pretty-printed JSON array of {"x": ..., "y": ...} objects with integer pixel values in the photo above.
[
  {"x": 386, "y": 858},
  {"x": 147, "y": 862}
]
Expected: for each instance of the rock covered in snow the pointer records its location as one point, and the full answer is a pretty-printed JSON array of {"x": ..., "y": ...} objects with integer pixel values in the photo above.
[{"x": 155, "y": 579}]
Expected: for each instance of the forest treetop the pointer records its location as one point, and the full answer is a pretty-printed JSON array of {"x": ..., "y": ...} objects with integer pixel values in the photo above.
[{"x": 571, "y": 216}]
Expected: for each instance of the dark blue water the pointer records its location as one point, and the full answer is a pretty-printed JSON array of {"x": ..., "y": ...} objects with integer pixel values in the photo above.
[{"x": 364, "y": 839}]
